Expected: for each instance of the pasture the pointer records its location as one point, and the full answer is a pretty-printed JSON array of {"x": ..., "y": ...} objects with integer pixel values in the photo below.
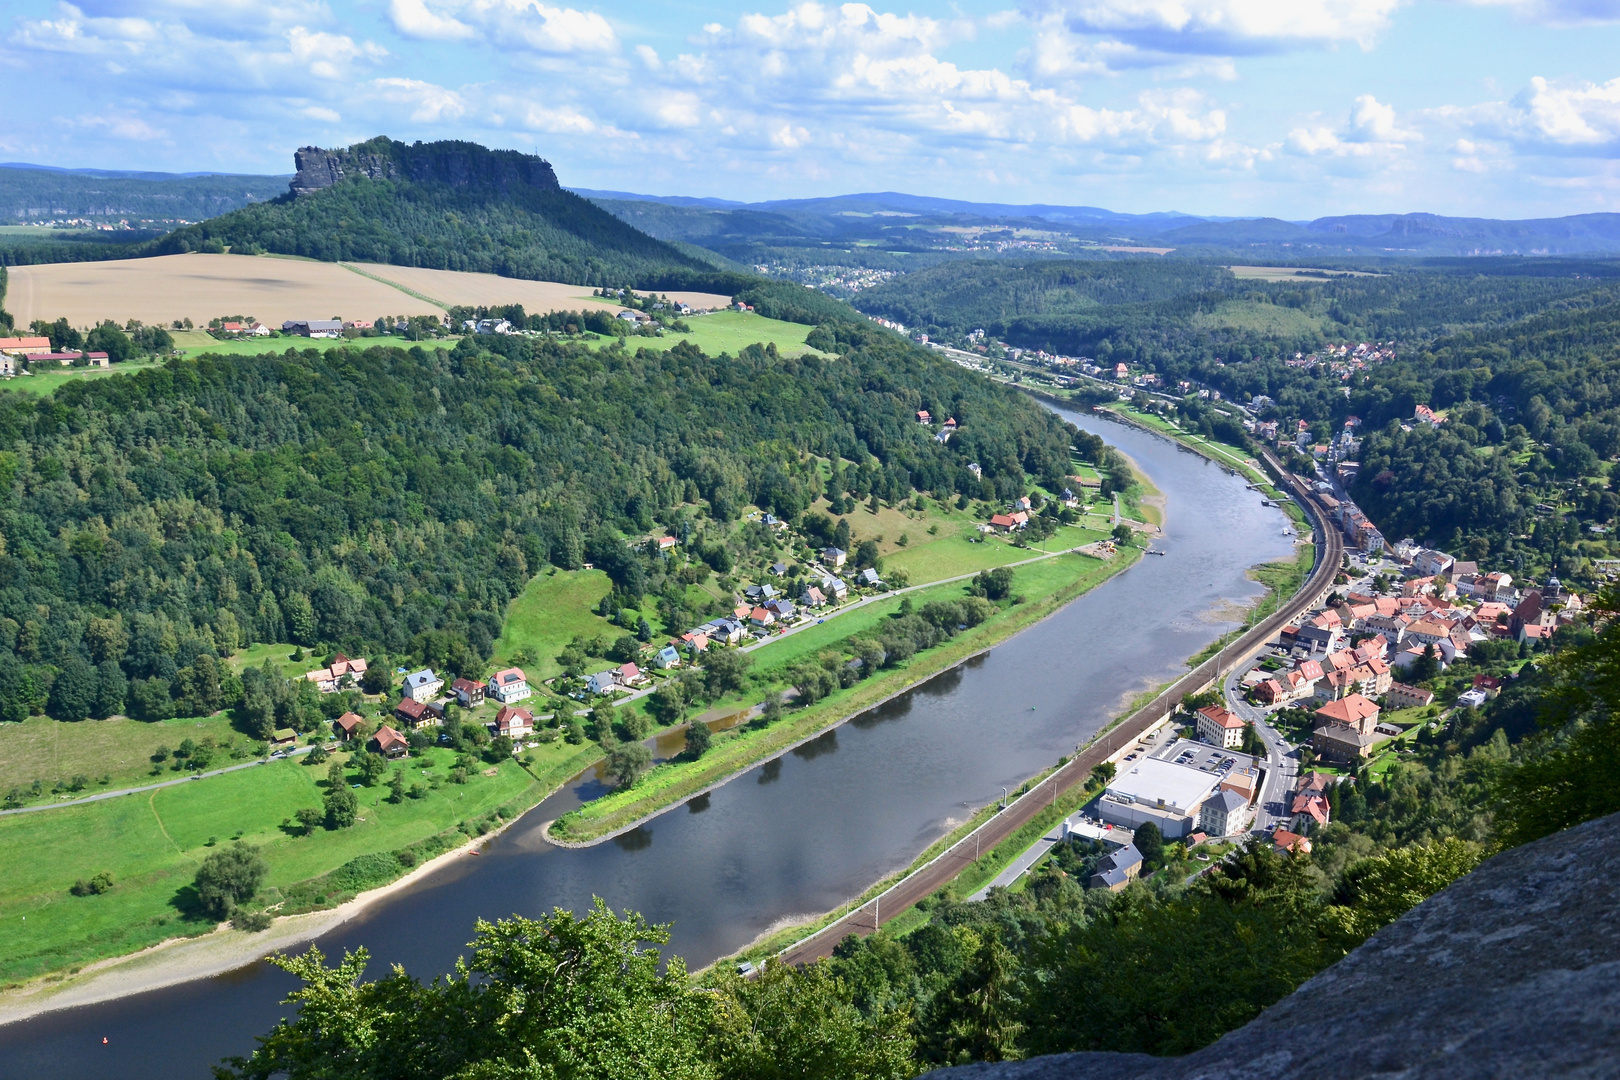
[{"x": 728, "y": 332}]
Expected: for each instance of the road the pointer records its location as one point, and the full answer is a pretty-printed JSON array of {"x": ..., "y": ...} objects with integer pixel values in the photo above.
[
  {"x": 100, "y": 795},
  {"x": 932, "y": 876},
  {"x": 1282, "y": 760}
]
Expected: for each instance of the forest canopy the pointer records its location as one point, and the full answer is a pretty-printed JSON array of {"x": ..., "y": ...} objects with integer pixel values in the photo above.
[{"x": 395, "y": 501}]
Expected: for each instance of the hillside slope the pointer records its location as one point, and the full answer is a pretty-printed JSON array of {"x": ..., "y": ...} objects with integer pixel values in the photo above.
[{"x": 446, "y": 206}]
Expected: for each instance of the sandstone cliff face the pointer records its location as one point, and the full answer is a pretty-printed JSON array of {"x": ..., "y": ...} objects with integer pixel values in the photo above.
[
  {"x": 458, "y": 164},
  {"x": 1512, "y": 972}
]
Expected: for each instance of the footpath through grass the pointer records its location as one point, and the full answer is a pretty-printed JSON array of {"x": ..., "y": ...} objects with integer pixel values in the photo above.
[
  {"x": 153, "y": 843},
  {"x": 1046, "y": 586}
]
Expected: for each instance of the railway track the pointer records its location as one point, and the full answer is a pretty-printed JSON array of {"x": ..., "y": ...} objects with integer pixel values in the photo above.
[{"x": 935, "y": 874}]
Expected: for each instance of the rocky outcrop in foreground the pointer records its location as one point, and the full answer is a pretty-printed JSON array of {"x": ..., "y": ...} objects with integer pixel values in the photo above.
[
  {"x": 458, "y": 164},
  {"x": 1514, "y": 971}
]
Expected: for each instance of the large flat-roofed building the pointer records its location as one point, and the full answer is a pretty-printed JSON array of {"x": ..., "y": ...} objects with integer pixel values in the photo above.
[
  {"x": 1171, "y": 787},
  {"x": 1163, "y": 792}
]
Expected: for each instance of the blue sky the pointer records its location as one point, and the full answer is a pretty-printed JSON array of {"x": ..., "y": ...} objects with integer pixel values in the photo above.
[{"x": 1292, "y": 108}]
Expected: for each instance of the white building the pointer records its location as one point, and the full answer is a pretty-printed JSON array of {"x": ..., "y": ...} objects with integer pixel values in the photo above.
[
  {"x": 423, "y": 685},
  {"x": 1218, "y": 727},
  {"x": 509, "y": 686},
  {"x": 1163, "y": 792}
]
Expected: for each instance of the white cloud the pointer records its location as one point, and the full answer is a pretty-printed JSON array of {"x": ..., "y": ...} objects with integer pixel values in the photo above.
[
  {"x": 1579, "y": 114},
  {"x": 1575, "y": 118},
  {"x": 530, "y": 24},
  {"x": 874, "y": 83},
  {"x": 429, "y": 104},
  {"x": 413, "y": 19},
  {"x": 1370, "y": 131},
  {"x": 1223, "y": 27},
  {"x": 171, "y": 53},
  {"x": 122, "y": 126}
]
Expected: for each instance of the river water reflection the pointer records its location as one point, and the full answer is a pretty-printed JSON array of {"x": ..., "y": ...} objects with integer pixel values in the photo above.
[{"x": 793, "y": 837}]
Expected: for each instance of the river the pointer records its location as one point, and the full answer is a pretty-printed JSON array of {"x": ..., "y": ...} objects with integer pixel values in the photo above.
[{"x": 793, "y": 837}]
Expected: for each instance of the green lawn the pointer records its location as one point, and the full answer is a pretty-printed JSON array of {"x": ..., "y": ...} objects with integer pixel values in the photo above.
[
  {"x": 196, "y": 342},
  {"x": 46, "y": 381},
  {"x": 152, "y": 845},
  {"x": 279, "y": 655},
  {"x": 555, "y": 608},
  {"x": 956, "y": 550},
  {"x": 50, "y": 750},
  {"x": 726, "y": 332}
]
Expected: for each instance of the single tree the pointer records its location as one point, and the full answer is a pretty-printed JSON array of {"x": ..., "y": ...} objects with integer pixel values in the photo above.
[
  {"x": 627, "y": 762},
  {"x": 342, "y": 807},
  {"x": 229, "y": 877},
  {"x": 698, "y": 737},
  {"x": 310, "y": 817},
  {"x": 396, "y": 787},
  {"x": 1150, "y": 844},
  {"x": 372, "y": 768}
]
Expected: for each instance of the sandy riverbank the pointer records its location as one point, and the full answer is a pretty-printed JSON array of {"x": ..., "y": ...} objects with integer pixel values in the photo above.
[{"x": 182, "y": 960}]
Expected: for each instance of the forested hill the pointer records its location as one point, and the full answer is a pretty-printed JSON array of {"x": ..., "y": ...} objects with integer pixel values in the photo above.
[
  {"x": 447, "y": 206},
  {"x": 1174, "y": 310},
  {"x": 1521, "y": 470},
  {"x": 32, "y": 194},
  {"x": 394, "y": 501}
]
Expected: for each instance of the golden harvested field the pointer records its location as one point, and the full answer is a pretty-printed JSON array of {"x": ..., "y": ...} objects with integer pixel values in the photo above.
[
  {"x": 1293, "y": 273},
  {"x": 457, "y": 287},
  {"x": 202, "y": 287}
]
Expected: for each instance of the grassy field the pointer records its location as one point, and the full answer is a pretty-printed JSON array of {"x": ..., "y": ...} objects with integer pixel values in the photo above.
[
  {"x": 726, "y": 332},
  {"x": 152, "y": 845},
  {"x": 46, "y": 380},
  {"x": 279, "y": 654},
  {"x": 555, "y": 608},
  {"x": 1258, "y": 318},
  {"x": 118, "y": 750},
  {"x": 958, "y": 549},
  {"x": 1046, "y": 586},
  {"x": 195, "y": 343}
]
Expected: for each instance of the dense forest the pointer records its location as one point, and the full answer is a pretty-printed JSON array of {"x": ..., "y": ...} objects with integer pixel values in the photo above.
[
  {"x": 1051, "y": 968},
  {"x": 1520, "y": 356},
  {"x": 393, "y": 502}
]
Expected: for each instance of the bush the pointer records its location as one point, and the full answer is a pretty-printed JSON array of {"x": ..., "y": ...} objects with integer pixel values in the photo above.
[
  {"x": 252, "y": 922},
  {"x": 97, "y": 885}
]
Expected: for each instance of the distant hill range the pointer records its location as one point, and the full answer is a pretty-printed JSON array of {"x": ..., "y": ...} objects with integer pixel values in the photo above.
[
  {"x": 732, "y": 226},
  {"x": 42, "y": 193}
]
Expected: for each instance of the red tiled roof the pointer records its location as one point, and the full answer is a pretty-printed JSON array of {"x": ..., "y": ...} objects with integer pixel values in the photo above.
[
  {"x": 1351, "y": 709},
  {"x": 1220, "y": 716}
]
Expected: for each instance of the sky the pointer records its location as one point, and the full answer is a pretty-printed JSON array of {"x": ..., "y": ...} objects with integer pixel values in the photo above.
[{"x": 1286, "y": 108}]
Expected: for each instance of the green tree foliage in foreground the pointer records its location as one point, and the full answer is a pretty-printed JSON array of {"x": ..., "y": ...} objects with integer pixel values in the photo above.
[
  {"x": 393, "y": 501},
  {"x": 1568, "y": 775},
  {"x": 576, "y": 997}
]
